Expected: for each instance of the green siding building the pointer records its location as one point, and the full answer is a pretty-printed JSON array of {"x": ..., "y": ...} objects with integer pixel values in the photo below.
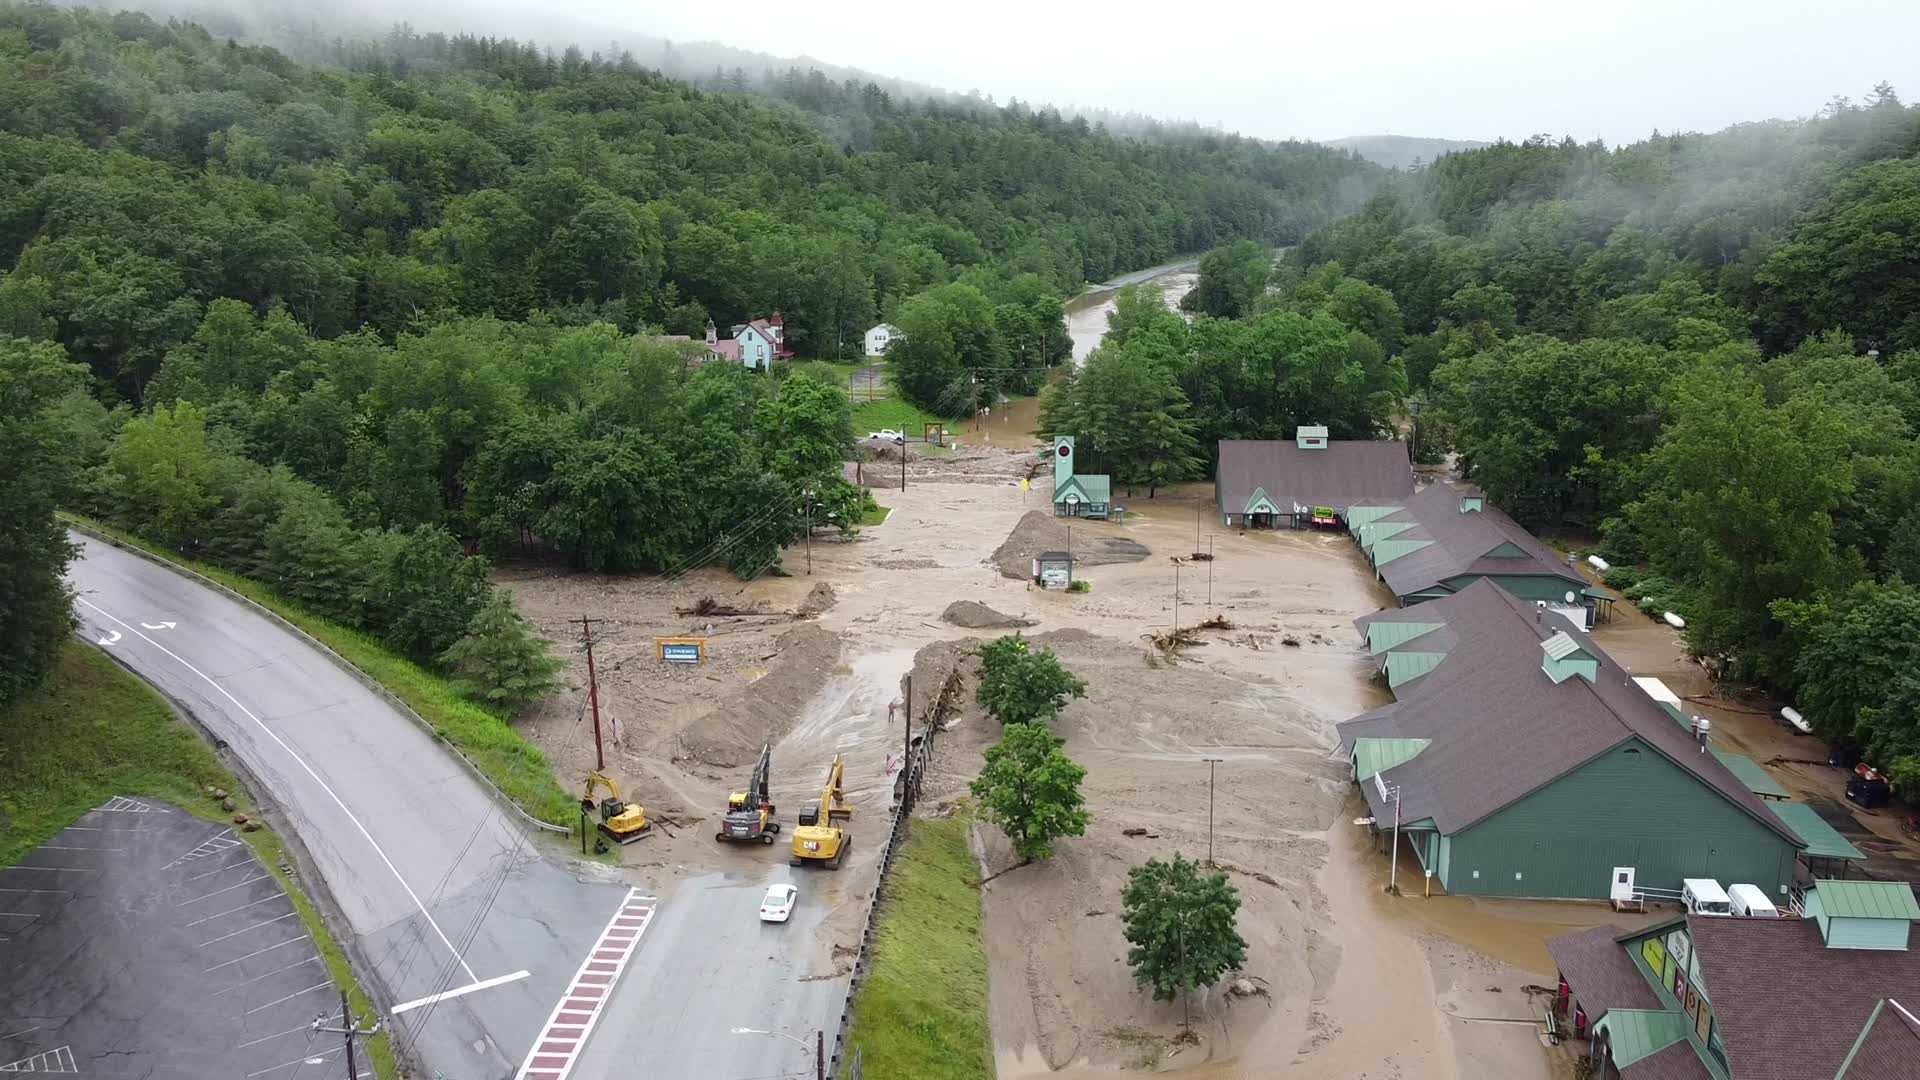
[{"x": 1526, "y": 763}]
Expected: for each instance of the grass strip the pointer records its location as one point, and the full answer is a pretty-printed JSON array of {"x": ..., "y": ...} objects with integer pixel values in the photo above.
[
  {"x": 922, "y": 1011},
  {"x": 515, "y": 766},
  {"x": 92, "y": 732}
]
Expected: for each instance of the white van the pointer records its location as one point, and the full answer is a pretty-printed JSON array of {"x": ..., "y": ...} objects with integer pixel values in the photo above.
[
  {"x": 1704, "y": 896},
  {"x": 1749, "y": 901}
]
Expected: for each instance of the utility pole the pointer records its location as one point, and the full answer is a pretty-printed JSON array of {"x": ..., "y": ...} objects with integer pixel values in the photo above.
[
  {"x": 909, "y": 710},
  {"x": 810, "y": 533},
  {"x": 1211, "y": 762},
  {"x": 903, "y": 452},
  {"x": 349, "y": 1030},
  {"x": 1209, "y": 569},
  {"x": 593, "y": 691},
  {"x": 819, "y": 1054},
  {"x": 1176, "y": 597}
]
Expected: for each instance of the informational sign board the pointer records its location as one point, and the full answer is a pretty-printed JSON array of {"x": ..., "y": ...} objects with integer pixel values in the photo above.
[{"x": 682, "y": 650}]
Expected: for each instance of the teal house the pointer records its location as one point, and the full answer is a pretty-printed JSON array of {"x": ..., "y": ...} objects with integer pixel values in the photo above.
[
  {"x": 1827, "y": 992},
  {"x": 1520, "y": 760},
  {"x": 1077, "y": 494}
]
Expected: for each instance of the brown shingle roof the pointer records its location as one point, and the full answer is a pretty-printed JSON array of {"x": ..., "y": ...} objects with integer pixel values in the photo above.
[
  {"x": 1791, "y": 1008},
  {"x": 1501, "y": 729},
  {"x": 1889, "y": 1048},
  {"x": 1347, "y": 472},
  {"x": 1597, "y": 968},
  {"x": 1461, "y": 542}
]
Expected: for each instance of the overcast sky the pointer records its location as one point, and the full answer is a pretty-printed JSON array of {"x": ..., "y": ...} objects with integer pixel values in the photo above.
[{"x": 1470, "y": 69}]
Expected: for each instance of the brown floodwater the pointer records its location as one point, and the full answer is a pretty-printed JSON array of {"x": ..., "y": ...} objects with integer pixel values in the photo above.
[{"x": 1087, "y": 313}]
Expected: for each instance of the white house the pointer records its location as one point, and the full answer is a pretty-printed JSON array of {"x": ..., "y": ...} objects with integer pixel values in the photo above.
[{"x": 879, "y": 337}]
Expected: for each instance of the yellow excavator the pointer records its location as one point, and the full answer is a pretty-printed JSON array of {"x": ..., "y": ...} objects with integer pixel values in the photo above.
[
  {"x": 818, "y": 839},
  {"x": 750, "y": 812},
  {"x": 621, "y": 822}
]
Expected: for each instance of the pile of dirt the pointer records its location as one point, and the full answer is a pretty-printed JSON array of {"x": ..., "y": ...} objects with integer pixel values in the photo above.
[
  {"x": 817, "y": 602},
  {"x": 977, "y": 616},
  {"x": 731, "y": 734},
  {"x": 1038, "y": 531}
]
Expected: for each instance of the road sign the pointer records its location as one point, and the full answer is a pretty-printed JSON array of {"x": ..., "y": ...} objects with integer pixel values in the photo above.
[{"x": 682, "y": 650}]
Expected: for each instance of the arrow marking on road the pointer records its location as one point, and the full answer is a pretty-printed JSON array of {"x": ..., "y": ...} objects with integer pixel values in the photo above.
[
  {"x": 158, "y": 626},
  {"x": 112, "y": 638}
]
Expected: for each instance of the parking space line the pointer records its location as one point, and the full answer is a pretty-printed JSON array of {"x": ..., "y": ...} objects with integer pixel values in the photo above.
[
  {"x": 63, "y": 892},
  {"x": 224, "y": 869},
  {"x": 54, "y": 869},
  {"x": 242, "y": 907},
  {"x": 317, "y": 1055},
  {"x": 64, "y": 847},
  {"x": 254, "y": 953},
  {"x": 57, "y": 1060},
  {"x": 244, "y": 929},
  {"x": 229, "y": 888},
  {"x": 268, "y": 975},
  {"x": 308, "y": 769},
  {"x": 289, "y": 997},
  {"x": 276, "y": 1035}
]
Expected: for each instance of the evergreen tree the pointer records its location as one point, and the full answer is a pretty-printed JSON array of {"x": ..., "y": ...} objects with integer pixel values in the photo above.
[
  {"x": 500, "y": 660},
  {"x": 35, "y": 607}
]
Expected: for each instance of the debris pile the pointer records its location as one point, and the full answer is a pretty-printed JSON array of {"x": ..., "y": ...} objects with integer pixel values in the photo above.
[{"x": 977, "y": 616}]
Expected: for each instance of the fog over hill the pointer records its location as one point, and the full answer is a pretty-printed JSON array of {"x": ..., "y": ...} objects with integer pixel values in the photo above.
[{"x": 1403, "y": 151}]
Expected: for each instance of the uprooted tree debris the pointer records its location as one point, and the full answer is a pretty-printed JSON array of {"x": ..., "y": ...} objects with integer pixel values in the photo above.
[{"x": 708, "y": 606}]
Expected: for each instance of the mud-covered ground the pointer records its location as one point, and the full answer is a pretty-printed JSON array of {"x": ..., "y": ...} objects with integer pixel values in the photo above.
[{"x": 1356, "y": 983}]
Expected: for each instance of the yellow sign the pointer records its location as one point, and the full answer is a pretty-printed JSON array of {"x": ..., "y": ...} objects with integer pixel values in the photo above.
[
  {"x": 1026, "y": 484},
  {"x": 1655, "y": 954}
]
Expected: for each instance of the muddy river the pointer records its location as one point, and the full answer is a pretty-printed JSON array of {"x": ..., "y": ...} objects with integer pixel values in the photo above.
[{"x": 1087, "y": 313}]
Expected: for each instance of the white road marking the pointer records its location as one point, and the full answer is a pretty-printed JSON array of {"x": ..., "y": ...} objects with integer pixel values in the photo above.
[
  {"x": 269, "y": 975},
  {"x": 297, "y": 993},
  {"x": 320, "y": 1055},
  {"x": 244, "y": 929},
  {"x": 66, "y": 847},
  {"x": 63, "y": 892},
  {"x": 324, "y": 786},
  {"x": 230, "y": 888},
  {"x": 57, "y": 1060},
  {"x": 230, "y": 866},
  {"x": 242, "y": 907},
  {"x": 19, "y": 914},
  {"x": 484, "y": 984},
  {"x": 55, "y": 869},
  {"x": 558, "y": 1046},
  {"x": 276, "y": 1035},
  {"x": 113, "y": 639},
  {"x": 254, "y": 953},
  {"x": 162, "y": 626}
]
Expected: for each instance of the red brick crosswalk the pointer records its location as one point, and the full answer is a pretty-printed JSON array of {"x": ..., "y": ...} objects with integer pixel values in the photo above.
[{"x": 566, "y": 1031}]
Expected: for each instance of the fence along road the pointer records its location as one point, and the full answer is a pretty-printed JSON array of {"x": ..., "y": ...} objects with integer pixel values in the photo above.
[{"x": 460, "y": 924}]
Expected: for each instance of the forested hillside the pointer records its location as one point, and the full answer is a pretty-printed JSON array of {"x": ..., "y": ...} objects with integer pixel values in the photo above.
[
  {"x": 334, "y": 322},
  {"x": 1707, "y": 348}
]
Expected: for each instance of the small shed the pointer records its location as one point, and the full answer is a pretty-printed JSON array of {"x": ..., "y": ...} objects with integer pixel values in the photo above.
[{"x": 1053, "y": 569}]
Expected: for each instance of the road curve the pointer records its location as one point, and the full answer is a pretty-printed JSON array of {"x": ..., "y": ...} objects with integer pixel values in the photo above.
[{"x": 443, "y": 891}]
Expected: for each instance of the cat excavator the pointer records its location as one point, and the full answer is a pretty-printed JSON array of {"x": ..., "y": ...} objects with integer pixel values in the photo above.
[
  {"x": 621, "y": 822},
  {"x": 818, "y": 839},
  {"x": 750, "y": 812}
]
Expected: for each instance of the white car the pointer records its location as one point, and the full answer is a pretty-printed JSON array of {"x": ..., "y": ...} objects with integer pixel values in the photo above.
[
  {"x": 888, "y": 434},
  {"x": 778, "y": 904}
]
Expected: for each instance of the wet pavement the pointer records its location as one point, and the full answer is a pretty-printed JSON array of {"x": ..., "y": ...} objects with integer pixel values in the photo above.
[{"x": 144, "y": 942}]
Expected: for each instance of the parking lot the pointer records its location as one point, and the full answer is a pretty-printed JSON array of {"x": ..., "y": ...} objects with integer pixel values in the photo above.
[{"x": 142, "y": 942}]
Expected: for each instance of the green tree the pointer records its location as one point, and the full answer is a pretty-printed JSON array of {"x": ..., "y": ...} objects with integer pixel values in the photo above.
[
  {"x": 806, "y": 429},
  {"x": 1853, "y": 648},
  {"x": 1232, "y": 278},
  {"x": 34, "y": 551},
  {"x": 1849, "y": 262},
  {"x": 420, "y": 591},
  {"x": 161, "y": 467},
  {"x": 1132, "y": 417},
  {"x": 1031, "y": 789},
  {"x": 1738, "y": 503},
  {"x": 947, "y": 336},
  {"x": 1019, "y": 685},
  {"x": 500, "y": 660},
  {"x": 1180, "y": 923}
]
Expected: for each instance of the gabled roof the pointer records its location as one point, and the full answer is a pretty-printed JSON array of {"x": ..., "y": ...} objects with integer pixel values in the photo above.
[
  {"x": 1823, "y": 840},
  {"x": 1868, "y": 900},
  {"x": 1889, "y": 1045},
  {"x": 1501, "y": 728},
  {"x": 1094, "y": 488},
  {"x": 1790, "y": 1008},
  {"x": 1635, "y": 1034},
  {"x": 1598, "y": 970},
  {"x": 1463, "y": 543},
  {"x": 1348, "y": 471},
  {"x": 1373, "y": 755},
  {"x": 1679, "y": 1061}
]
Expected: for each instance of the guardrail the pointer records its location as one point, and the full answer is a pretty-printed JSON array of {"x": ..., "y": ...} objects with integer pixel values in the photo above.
[{"x": 907, "y": 792}]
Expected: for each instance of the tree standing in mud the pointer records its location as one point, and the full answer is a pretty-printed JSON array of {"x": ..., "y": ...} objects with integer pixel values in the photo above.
[
  {"x": 1032, "y": 790},
  {"x": 1181, "y": 926},
  {"x": 1021, "y": 686}
]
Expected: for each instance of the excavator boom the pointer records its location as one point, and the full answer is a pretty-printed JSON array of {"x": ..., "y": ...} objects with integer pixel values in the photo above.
[
  {"x": 819, "y": 839},
  {"x": 750, "y": 813}
]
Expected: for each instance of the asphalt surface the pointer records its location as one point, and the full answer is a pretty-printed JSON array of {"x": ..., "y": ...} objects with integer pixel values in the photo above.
[
  {"x": 443, "y": 890},
  {"x": 142, "y": 942}
]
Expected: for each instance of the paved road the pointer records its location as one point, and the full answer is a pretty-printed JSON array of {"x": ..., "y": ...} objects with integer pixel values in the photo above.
[{"x": 443, "y": 890}]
